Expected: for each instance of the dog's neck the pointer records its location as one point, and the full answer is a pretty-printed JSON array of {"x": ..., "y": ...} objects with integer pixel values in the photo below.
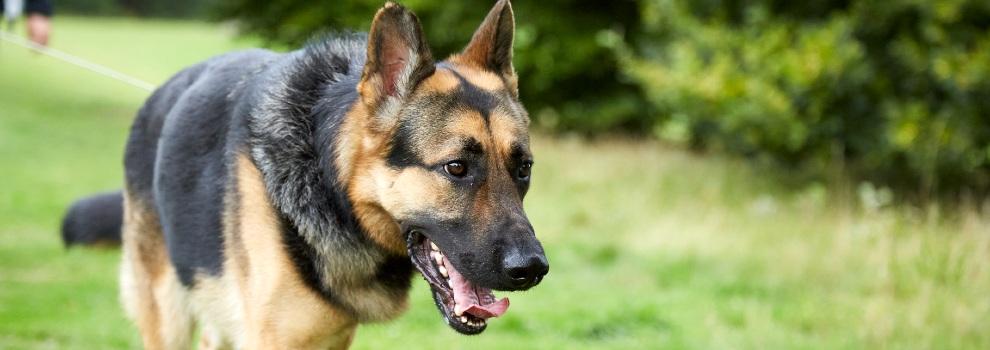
[
  {"x": 360, "y": 148},
  {"x": 294, "y": 129}
]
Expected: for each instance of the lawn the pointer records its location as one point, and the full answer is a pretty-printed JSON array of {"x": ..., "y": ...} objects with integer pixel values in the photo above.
[{"x": 650, "y": 247}]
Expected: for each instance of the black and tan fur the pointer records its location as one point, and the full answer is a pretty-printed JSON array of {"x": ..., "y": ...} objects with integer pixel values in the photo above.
[{"x": 269, "y": 198}]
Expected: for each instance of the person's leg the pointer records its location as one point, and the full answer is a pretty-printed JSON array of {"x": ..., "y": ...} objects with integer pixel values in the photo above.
[
  {"x": 38, "y": 28},
  {"x": 39, "y": 20}
]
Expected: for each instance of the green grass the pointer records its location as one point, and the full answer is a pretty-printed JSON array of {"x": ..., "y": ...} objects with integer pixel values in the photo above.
[{"x": 649, "y": 247}]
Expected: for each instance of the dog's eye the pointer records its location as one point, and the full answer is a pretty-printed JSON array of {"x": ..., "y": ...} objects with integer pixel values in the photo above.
[
  {"x": 525, "y": 170},
  {"x": 457, "y": 169}
]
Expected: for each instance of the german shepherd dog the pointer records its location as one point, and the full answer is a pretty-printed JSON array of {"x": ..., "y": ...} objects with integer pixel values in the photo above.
[{"x": 279, "y": 200}]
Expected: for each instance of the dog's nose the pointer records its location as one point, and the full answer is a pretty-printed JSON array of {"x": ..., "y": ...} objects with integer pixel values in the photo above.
[{"x": 525, "y": 270}]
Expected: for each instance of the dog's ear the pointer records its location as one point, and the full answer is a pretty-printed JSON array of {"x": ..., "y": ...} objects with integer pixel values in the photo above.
[
  {"x": 491, "y": 46},
  {"x": 398, "y": 56}
]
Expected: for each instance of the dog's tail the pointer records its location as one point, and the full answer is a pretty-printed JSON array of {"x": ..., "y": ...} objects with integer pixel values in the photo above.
[{"x": 94, "y": 221}]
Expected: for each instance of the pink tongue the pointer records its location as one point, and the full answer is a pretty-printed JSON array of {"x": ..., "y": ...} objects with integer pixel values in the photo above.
[{"x": 476, "y": 301}]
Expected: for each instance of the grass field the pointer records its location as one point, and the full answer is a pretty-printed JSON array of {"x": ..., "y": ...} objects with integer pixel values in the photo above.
[{"x": 649, "y": 247}]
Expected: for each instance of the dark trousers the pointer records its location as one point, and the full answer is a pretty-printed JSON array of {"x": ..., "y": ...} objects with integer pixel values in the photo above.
[{"x": 41, "y": 7}]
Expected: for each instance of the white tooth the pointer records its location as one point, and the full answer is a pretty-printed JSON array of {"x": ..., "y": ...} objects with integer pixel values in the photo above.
[
  {"x": 434, "y": 246},
  {"x": 458, "y": 312},
  {"x": 438, "y": 258},
  {"x": 464, "y": 319},
  {"x": 443, "y": 270}
]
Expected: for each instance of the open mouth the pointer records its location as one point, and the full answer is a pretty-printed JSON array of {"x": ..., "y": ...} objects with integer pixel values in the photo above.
[{"x": 464, "y": 306}]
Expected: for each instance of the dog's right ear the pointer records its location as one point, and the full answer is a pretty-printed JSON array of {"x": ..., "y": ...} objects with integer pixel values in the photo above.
[{"x": 398, "y": 56}]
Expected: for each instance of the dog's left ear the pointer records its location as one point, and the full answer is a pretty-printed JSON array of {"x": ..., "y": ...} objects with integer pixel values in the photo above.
[
  {"x": 491, "y": 46},
  {"x": 398, "y": 56}
]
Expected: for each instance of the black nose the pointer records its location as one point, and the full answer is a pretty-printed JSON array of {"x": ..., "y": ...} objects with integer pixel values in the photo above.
[{"x": 525, "y": 269}]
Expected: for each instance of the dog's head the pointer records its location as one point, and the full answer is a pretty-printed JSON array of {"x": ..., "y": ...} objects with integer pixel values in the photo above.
[{"x": 443, "y": 163}]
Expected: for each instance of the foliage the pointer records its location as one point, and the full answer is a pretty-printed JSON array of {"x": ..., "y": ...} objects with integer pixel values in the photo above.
[
  {"x": 900, "y": 90},
  {"x": 144, "y": 8}
]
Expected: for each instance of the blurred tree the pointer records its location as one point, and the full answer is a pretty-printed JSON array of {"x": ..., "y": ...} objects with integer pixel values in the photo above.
[
  {"x": 143, "y": 8},
  {"x": 570, "y": 80},
  {"x": 88, "y": 7},
  {"x": 898, "y": 90}
]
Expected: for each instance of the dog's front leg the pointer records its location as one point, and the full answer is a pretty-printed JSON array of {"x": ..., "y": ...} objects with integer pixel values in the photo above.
[{"x": 298, "y": 322}]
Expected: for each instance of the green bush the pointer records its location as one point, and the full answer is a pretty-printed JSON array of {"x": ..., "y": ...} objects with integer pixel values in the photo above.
[
  {"x": 88, "y": 7},
  {"x": 899, "y": 91},
  {"x": 143, "y": 8}
]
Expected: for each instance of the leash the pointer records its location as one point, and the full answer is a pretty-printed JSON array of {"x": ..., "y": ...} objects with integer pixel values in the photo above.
[{"x": 77, "y": 61}]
